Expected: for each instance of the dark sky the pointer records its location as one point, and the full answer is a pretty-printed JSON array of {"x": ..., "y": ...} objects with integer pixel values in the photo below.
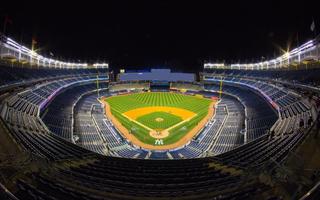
[{"x": 176, "y": 34}]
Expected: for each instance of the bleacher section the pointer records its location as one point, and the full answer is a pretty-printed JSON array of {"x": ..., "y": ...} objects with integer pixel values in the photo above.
[
  {"x": 185, "y": 86},
  {"x": 128, "y": 86}
]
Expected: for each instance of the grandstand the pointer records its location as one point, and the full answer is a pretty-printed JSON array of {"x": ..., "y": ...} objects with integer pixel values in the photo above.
[
  {"x": 69, "y": 133},
  {"x": 129, "y": 86}
]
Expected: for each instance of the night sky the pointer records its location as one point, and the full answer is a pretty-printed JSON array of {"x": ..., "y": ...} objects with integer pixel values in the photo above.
[{"x": 176, "y": 34}]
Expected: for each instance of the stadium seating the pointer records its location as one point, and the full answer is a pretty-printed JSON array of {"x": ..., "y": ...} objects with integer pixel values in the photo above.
[
  {"x": 258, "y": 120},
  {"x": 236, "y": 125},
  {"x": 185, "y": 86},
  {"x": 127, "y": 86},
  {"x": 230, "y": 134},
  {"x": 21, "y": 111},
  {"x": 79, "y": 153},
  {"x": 59, "y": 117},
  {"x": 303, "y": 76},
  {"x": 10, "y": 76}
]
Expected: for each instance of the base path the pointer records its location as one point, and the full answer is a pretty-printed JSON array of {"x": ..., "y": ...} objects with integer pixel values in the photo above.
[{"x": 184, "y": 140}]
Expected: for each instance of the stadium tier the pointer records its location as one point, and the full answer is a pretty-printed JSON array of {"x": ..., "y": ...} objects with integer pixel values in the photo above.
[
  {"x": 157, "y": 75},
  {"x": 153, "y": 135}
]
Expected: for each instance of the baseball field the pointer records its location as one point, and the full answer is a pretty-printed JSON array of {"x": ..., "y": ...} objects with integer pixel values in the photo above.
[{"x": 158, "y": 120}]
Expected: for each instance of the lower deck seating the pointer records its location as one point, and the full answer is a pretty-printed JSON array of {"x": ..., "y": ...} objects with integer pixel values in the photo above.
[
  {"x": 58, "y": 117},
  {"x": 259, "y": 152},
  {"x": 230, "y": 135},
  {"x": 258, "y": 114},
  {"x": 115, "y": 179}
]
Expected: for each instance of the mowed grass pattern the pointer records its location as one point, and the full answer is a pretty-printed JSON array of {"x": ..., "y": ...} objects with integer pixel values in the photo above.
[
  {"x": 159, "y": 120},
  {"x": 123, "y": 103}
]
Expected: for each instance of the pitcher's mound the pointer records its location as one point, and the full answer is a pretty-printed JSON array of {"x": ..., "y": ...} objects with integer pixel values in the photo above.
[
  {"x": 159, "y": 119},
  {"x": 159, "y": 134}
]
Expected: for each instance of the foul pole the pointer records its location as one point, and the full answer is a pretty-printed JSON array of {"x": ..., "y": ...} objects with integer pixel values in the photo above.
[
  {"x": 98, "y": 86},
  {"x": 220, "y": 90}
]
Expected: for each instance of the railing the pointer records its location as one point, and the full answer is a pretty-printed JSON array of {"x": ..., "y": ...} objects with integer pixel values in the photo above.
[
  {"x": 5, "y": 193},
  {"x": 313, "y": 193}
]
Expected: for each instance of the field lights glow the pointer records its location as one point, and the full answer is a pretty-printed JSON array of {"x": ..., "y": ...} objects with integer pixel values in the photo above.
[
  {"x": 32, "y": 54},
  {"x": 281, "y": 61}
]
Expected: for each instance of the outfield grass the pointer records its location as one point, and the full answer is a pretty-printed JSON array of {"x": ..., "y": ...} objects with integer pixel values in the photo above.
[{"x": 121, "y": 104}]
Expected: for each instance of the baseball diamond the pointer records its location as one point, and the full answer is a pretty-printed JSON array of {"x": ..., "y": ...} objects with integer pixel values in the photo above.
[{"x": 158, "y": 120}]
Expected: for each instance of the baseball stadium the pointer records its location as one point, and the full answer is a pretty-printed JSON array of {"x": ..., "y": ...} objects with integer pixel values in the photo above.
[{"x": 99, "y": 130}]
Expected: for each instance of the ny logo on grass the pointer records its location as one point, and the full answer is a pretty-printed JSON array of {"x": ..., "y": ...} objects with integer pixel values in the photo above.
[{"x": 158, "y": 142}]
